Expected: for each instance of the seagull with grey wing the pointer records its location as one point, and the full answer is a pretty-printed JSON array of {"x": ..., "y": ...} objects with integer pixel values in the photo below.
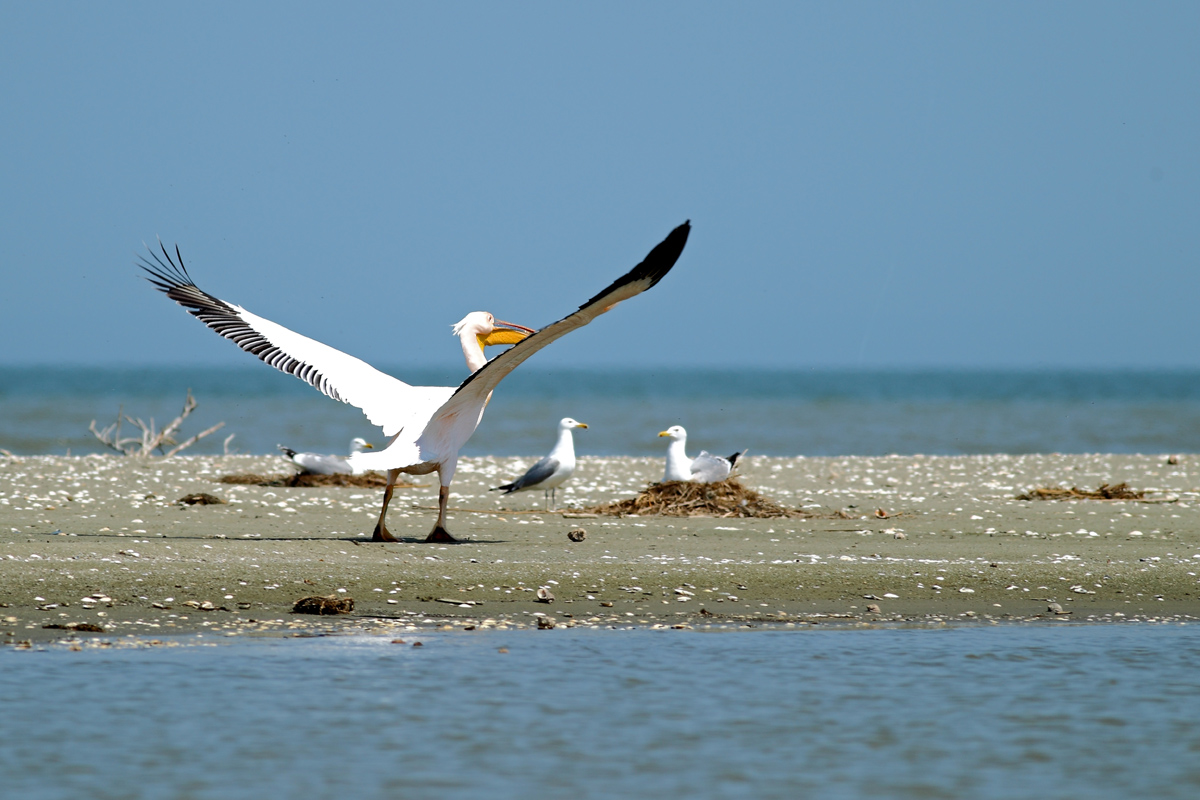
[
  {"x": 321, "y": 464},
  {"x": 551, "y": 471},
  {"x": 704, "y": 468}
]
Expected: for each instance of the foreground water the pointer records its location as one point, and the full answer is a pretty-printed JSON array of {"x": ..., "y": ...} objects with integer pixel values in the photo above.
[
  {"x": 986, "y": 712},
  {"x": 47, "y": 410}
]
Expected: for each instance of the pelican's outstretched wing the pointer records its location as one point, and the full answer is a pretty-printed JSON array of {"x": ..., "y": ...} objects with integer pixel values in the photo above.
[
  {"x": 652, "y": 269},
  {"x": 390, "y": 403}
]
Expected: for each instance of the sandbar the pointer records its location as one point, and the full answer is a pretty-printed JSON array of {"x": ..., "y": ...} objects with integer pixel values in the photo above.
[{"x": 897, "y": 540}]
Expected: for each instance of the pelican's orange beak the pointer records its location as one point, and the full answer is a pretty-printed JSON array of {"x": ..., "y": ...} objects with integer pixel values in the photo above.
[{"x": 505, "y": 333}]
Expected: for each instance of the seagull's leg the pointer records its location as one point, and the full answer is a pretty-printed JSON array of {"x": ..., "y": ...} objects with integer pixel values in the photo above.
[
  {"x": 439, "y": 532},
  {"x": 381, "y": 531}
]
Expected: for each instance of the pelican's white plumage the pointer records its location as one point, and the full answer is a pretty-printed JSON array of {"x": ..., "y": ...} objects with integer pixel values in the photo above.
[
  {"x": 552, "y": 470},
  {"x": 320, "y": 464},
  {"x": 704, "y": 468},
  {"x": 428, "y": 424}
]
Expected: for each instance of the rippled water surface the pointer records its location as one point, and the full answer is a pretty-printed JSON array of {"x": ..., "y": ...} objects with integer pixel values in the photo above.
[
  {"x": 1065, "y": 711},
  {"x": 47, "y": 410}
]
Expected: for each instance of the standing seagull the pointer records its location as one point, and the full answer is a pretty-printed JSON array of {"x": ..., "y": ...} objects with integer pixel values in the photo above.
[
  {"x": 704, "y": 468},
  {"x": 428, "y": 425},
  {"x": 551, "y": 471},
  {"x": 318, "y": 464}
]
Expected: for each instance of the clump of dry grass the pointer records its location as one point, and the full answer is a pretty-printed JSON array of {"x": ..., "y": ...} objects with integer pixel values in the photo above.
[
  {"x": 200, "y": 499},
  {"x": 325, "y": 606},
  {"x": 370, "y": 480},
  {"x": 729, "y": 498},
  {"x": 1119, "y": 492}
]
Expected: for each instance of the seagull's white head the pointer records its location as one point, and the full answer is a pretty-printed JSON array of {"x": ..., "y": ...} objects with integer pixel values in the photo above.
[
  {"x": 568, "y": 423},
  {"x": 676, "y": 432},
  {"x": 358, "y": 444}
]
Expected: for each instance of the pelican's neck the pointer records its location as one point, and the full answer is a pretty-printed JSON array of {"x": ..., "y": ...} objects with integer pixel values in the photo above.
[
  {"x": 472, "y": 350},
  {"x": 679, "y": 468}
]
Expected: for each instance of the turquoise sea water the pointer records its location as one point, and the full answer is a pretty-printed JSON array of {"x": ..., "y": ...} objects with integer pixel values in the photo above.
[
  {"x": 1052, "y": 711},
  {"x": 46, "y": 410}
]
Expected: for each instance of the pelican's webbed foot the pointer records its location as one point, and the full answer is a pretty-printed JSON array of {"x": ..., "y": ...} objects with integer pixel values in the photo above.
[
  {"x": 440, "y": 535},
  {"x": 381, "y": 535}
]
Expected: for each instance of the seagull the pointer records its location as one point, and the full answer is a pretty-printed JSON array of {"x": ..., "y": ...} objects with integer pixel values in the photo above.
[
  {"x": 317, "y": 464},
  {"x": 552, "y": 471},
  {"x": 704, "y": 468},
  {"x": 427, "y": 425}
]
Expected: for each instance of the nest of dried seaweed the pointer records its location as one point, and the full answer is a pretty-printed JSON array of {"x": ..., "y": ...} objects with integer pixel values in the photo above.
[
  {"x": 729, "y": 498},
  {"x": 370, "y": 480},
  {"x": 1121, "y": 491}
]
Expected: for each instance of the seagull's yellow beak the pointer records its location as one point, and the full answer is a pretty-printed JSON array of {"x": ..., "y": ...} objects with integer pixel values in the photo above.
[
  {"x": 665, "y": 433},
  {"x": 368, "y": 446},
  {"x": 504, "y": 333},
  {"x": 580, "y": 424}
]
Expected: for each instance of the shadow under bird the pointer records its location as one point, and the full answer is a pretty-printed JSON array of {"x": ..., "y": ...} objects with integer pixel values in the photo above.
[
  {"x": 704, "y": 468},
  {"x": 426, "y": 425},
  {"x": 319, "y": 464},
  {"x": 552, "y": 470}
]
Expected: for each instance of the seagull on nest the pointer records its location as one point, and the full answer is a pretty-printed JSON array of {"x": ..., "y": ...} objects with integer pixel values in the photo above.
[
  {"x": 427, "y": 425},
  {"x": 551, "y": 471},
  {"x": 704, "y": 468},
  {"x": 317, "y": 464}
]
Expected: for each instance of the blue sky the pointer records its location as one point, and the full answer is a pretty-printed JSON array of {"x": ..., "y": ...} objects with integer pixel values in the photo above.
[{"x": 870, "y": 184}]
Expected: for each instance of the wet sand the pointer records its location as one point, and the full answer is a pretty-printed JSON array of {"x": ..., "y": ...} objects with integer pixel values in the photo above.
[{"x": 955, "y": 546}]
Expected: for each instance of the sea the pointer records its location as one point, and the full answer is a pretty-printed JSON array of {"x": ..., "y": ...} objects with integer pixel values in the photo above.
[
  {"x": 1054, "y": 710},
  {"x": 811, "y": 412},
  {"x": 1002, "y": 711}
]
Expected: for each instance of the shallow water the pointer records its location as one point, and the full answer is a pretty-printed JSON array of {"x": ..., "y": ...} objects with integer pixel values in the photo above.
[
  {"x": 1055, "y": 711},
  {"x": 46, "y": 410}
]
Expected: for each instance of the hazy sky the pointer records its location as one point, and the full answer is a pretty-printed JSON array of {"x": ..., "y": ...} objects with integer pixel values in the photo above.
[{"x": 870, "y": 184}]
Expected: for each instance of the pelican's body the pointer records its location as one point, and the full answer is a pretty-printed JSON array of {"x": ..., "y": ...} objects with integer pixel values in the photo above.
[
  {"x": 427, "y": 425},
  {"x": 704, "y": 468},
  {"x": 318, "y": 464},
  {"x": 551, "y": 471}
]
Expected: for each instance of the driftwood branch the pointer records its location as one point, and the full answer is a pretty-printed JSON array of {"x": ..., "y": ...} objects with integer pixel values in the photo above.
[
  {"x": 151, "y": 439},
  {"x": 194, "y": 439}
]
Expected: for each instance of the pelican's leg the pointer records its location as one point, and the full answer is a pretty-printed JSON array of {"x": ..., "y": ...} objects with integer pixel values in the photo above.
[
  {"x": 439, "y": 532},
  {"x": 381, "y": 531}
]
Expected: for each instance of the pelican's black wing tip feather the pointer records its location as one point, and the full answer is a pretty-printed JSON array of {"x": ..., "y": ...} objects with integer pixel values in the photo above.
[
  {"x": 664, "y": 255},
  {"x": 166, "y": 274},
  {"x": 655, "y": 265}
]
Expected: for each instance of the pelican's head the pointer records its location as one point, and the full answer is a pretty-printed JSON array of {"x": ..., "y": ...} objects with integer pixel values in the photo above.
[
  {"x": 676, "y": 432},
  {"x": 358, "y": 444},
  {"x": 488, "y": 330},
  {"x": 568, "y": 423}
]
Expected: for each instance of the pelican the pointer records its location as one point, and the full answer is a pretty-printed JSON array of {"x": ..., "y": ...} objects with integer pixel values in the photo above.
[
  {"x": 704, "y": 468},
  {"x": 317, "y": 464},
  {"x": 427, "y": 425},
  {"x": 551, "y": 471}
]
